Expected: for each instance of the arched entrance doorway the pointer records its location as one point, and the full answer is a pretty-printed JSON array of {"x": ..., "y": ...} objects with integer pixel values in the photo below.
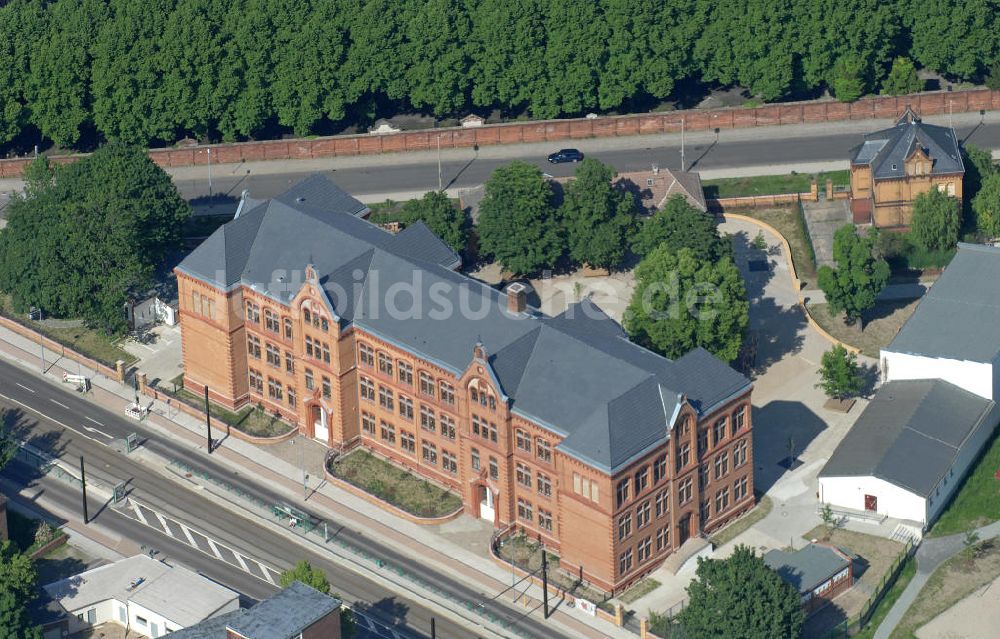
[
  {"x": 321, "y": 425},
  {"x": 487, "y": 503}
]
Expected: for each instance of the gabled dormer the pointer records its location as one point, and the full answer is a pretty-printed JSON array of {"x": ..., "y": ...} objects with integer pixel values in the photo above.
[{"x": 918, "y": 162}]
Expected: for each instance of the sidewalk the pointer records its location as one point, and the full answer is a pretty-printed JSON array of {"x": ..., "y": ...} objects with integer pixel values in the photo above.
[{"x": 475, "y": 568}]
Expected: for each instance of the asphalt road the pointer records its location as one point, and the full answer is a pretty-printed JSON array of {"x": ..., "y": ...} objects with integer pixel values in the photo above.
[
  {"x": 91, "y": 429},
  {"x": 366, "y": 175}
]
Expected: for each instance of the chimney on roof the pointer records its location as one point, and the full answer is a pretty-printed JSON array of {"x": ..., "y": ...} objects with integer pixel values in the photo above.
[
  {"x": 656, "y": 169},
  {"x": 517, "y": 298}
]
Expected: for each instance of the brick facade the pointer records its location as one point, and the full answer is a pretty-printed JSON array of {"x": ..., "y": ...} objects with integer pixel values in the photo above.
[{"x": 457, "y": 431}]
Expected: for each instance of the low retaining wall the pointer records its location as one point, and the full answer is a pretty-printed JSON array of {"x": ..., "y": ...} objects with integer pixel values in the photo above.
[
  {"x": 723, "y": 204},
  {"x": 929, "y": 103},
  {"x": 117, "y": 373},
  {"x": 59, "y": 540}
]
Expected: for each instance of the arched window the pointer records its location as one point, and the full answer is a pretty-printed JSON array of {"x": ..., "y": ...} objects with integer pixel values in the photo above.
[{"x": 951, "y": 189}]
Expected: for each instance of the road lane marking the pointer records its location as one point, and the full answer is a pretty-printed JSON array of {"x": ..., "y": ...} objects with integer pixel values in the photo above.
[
  {"x": 138, "y": 513},
  {"x": 187, "y": 533},
  {"x": 243, "y": 564},
  {"x": 99, "y": 432},
  {"x": 25, "y": 387},
  {"x": 94, "y": 420},
  {"x": 58, "y": 403}
]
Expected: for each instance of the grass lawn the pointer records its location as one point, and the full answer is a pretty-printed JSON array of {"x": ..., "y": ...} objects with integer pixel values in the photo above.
[
  {"x": 977, "y": 502},
  {"x": 839, "y": 178},
  {"x": 786, "y": 221},
  {"x": 884, "y": 606},
  {"x": 881, "y": 324},
  {"x": 757, "y": 185},
  {"x": 87, "y": 341},
  {"x": 744, "y": 523},
  {"x": 249, "y": 420},
  {"x": 954, "y": 580},
  {"x": 639, "y": 590},
  {"x": 395, "y": 485}
]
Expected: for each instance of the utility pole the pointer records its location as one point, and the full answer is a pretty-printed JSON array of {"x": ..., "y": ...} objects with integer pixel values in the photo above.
[
  {"x": 433, "y": 629},
  {"x": 545, "y": 584},
  {"x": 83, "y": 480},
  {"x": 439, "y": 164},
  {"x": 682, "y": 144},
  {"x": 208, "y": 421},
  {"x": 302, "y": 462}
]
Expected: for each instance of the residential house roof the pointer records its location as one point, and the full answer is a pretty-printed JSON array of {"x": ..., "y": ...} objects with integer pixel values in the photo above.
[
  {"x": 281, "y": 616},
  {"x": 577, "y": 373},
  {"x": 886, "y": 151},
  {"x": 151, "y": 584},
  {"x": 809, "y": 567},
  {"x": 956, "y": 318},
  {"x": 911, "y": 433},
  {"x": 652, "y": 188}
]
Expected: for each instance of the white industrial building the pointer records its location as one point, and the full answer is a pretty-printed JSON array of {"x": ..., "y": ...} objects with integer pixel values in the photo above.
[
  {"x": 145, "y": 596},
  {"x": 936, "y": 409}
]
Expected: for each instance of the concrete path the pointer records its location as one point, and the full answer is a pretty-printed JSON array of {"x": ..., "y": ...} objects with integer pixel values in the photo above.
[
  {"x": 931, "y": 554},
  {"x": 823, "y": 218}
]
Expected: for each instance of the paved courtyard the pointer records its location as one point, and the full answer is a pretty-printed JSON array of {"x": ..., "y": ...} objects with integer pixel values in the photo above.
[{"x": 159, "y": 353}]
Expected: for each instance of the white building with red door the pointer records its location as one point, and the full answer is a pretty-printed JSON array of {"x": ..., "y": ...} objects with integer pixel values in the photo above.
[{"x": 936, "y": 409}]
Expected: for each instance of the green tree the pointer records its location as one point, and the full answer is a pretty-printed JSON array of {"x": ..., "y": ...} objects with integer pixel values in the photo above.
[
  {"x": 78, "y": 246},
  {"x": 597, "y": 217},
  {"x": 681, "y": 302},
  {"x": 679, "y": 225},
  {"x": 986, "y": 207},
  {"x": 437, "y": 70},
  {"x": 848, "y": 79},
  {"x": 38, "y": 176},
  {"x": 978, "y": 166},
  {"x": 719, "y": 605},
  {"x": 839, "y": 373},
  {"x": 440, "y": 214},
  {"x": 305, "y": 573},
  {"x": 854, "y": 286},
  {"x": 517, "y": 224},
  {"x": 902, "y": 78},
  {"x": 17, "y": 591},
  {"x": 956, "y": 39},
  {"x": 935, "y": 221}
]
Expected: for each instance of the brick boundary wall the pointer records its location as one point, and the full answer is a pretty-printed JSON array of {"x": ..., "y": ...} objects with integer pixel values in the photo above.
[
  {"x": 55, "y": 543},
  {"x": 64, "y": 351},
  {"x": 928, "y": 103}
]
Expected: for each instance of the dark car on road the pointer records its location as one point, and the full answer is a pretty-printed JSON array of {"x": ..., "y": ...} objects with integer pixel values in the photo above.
[{"x": 565, "y": 155}]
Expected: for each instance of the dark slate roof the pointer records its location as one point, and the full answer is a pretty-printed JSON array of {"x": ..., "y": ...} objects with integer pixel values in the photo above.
[
  {"x": 808, "y": 567},
  {"x": 214, "y": 628},
  {"x": 422, "y": 244},
  {"x": 957, "y": 318},
  {"x": 910, "y": 434},
  {"x": 320, "y": 193},
  {"x": 889, "y": 148},
  {"x": 619, "y": 400}
]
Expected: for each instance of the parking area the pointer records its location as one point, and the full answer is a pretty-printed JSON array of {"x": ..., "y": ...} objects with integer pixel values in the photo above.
[{"x": 159, "y": 353}]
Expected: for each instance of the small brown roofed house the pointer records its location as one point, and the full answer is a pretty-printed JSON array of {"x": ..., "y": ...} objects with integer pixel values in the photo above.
[{"x": 652, "y": 188}]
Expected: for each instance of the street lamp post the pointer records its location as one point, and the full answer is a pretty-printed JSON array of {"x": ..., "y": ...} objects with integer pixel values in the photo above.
[
  {"x": 209, "y": 173},
  {"x": 439, "y": 163}
]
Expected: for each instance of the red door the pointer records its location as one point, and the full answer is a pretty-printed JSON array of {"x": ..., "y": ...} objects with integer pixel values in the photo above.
[{"x": 871, "y": 503}]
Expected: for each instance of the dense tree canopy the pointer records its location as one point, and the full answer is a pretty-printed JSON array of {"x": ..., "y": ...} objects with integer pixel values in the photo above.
[
  {"x": 83, "y": 238},
  {"x": 854, "y": 286},
  {"x": 740, "y": 597},
  {"x": 986, "y": 206},
  {"x": 839, "y": 373},
  {"x": 440, "y": 214},
  {"x": 935, "y": 220},
  {"x": 679, "y": 225},
  {"x": 597, "y": 217},
  {"x": 304, "y": 571},
  {"x": 681, "y": 302},
  {"x": 17, "y": 590},
  {"x": 143, "y": 71},
  {"x": 517, "y": 225}
]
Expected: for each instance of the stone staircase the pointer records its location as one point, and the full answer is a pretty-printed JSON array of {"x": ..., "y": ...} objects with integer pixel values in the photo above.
[{"x": 687, "y": 554}]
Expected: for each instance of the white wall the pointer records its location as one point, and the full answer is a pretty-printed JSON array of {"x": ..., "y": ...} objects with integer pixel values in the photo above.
[
  {"x": 975, "y": 377},
  {"x": 893, "y": 501},
  {"x": 109, "y": 611},
  {"x": 968, "y": 453}
]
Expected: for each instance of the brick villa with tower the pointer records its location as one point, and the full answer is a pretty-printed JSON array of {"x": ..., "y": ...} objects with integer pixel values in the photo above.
[{"x": 560, "y": 426}]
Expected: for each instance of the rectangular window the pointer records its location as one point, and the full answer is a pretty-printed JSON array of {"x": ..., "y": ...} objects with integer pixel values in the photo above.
[
  {"x": 273, "y": 355},
  {"x": 405, "y": 373},
  {"x": 309, "y": 346},
  {"x": 306, "y": 315},
  {"x": 448, "y": 462},
  {"x": 625, "y": 562},
  {"x": 427, "y": 421},
  {"x": 644, "y": 550},
  {"x": 721, "y": 465},
  {"x": 327, "y": 389},
  {"x": 447, "y": 393},
  {"x": 385, "y": 364},
  {"x": 289, "y": 362},
  {"x": 326, "y": 352},
  {"x": 740, "y": 490},
  {"x": 407, "y": 441},
  {"x": 474, "y": 457},
  {"x": 577, "y": 484},
  {"x": 624, "y": 526},
  {"x": 426, "y": 384},
  {"x": 447, "y": 427},
  {"x": 406, "y": 408},
  {"x": 544, "y": 485},
  {"x": 663, "y": 538},
  {"x": 367, "y": 389},
  {"x": 543, "y": 450},
  {"x": 662, "y": 502},
  {"x": 702, "y": 442},
  {"x": 703, "y": 473},
  {"x": 523, "y": 475},
  {"x": 544, "y": 520},
  {"x": 288, "y": 328},
  {"x": 641, "y": 481},
  {"x": 324, "y": 324},
  {"x": 385, "y": 399},
  {"x": 642, "y": 515},
  {"x": 721, "y": 501},
  {"x": 271, "y": 322},
  {"x": 659, "y": 469},
  {"x": 310, "y": 384},
  {"x": 388, "y": 433},
  {"x": 739, "y": 419},
  {"x": 524, "y": 510},
  {"x": 494, "y": 468},
  {"x": 523, "y": 440},
  {"x": 430, "y": 453},
  {"x": 253, "y": 313},
  {"x": 622, "y": 492},
  {"x": 683, "y": 456},
  {"x": 366, "y": 355},
  {"x": 684, "y": 491},
  {"x": 291, "y": 396},
  {"x": 719, "y": 432},
  {"x": 368, "y": 423},
  {"x": 253, "y": 346},
  {"x": 740, "y": 453},
  {"x": 705, "y": 511},
  {"x": 274, "y": 389},
  {"x": 256, "y": 381}
]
